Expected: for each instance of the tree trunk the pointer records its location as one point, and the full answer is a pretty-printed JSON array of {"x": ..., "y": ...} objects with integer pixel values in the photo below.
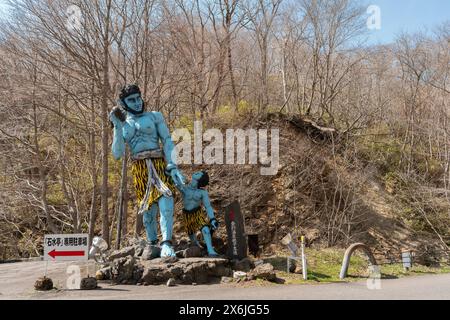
[
  {"x": 94, "y": 170},
  {"x": 105, "y": 126},
  {"x": 42, "y": 174},
  {"x": 121, "y": 202},
  {"x": 231, "y": 72}
]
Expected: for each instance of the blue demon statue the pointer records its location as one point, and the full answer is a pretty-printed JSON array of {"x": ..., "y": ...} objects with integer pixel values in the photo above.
[
  {"x": 154, "y": 171},
  {"x": 195, "y": 201}
]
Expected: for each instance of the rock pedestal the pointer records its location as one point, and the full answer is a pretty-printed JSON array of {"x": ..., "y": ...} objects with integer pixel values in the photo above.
[
  {"x": 139, "y": 265},
  {"x": 185, "y": 271}
]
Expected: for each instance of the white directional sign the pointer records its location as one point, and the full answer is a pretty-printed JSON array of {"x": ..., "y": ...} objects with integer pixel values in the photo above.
[{"x": 66, "y": 247}]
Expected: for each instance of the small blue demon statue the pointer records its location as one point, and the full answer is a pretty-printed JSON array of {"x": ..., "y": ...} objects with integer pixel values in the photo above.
[
  {"x": 195, "y": 201},
  {"x": 154, "y": 170}
]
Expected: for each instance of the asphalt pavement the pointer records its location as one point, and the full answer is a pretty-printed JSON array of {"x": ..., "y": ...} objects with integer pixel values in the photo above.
[{"x": 17, "y": 280}]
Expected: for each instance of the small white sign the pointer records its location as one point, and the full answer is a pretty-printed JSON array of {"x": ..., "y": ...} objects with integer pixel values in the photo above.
[{"x": 66, "y": 247}]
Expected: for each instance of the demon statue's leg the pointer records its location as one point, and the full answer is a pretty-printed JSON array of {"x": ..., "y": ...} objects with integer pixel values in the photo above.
[
  {"x": 150, "y": 223},
  {"x": 166, "y": 205},
  {"x": 208, "y": 240}
]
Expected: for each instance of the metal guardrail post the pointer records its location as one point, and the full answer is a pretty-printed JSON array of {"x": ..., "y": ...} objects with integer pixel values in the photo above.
[{"x": 348, "y": 255}]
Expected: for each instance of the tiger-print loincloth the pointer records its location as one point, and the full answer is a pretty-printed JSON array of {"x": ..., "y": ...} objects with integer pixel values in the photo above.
[
  {"x": 140, "y": 178},
  {"x": 194, "y": 220}
]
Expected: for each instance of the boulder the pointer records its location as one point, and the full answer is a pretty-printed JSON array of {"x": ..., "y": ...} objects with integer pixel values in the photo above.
[
  {"x": 244, "y": 265},
  {"x": 136, "y": 242},
  {"x": 258, "y": 262},
  {"x": 151, "y": 252},
  {"x": 292, "y": 267},
  {"x": 103, "y": 274},
  {"x": 183, "y": 244},
  {"x": 298, "y": 269},
  {"x": 43, "y": 284},
  {"x": 239, "y": 274},
  {"x": 138, "y": 251},
  {"x": 226, "y": 280},
  {"x": 193, "y": 252},
  {"x": 139, "y": 247},
  {"x": 88, "y": 283},
  {"x": 264, "y": 271},
  {"x": 122, "y": 269},
  {"x": 125, "y": 252}
]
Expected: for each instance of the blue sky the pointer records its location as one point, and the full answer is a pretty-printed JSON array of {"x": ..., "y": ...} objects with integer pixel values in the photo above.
[
  {"x": 408, "y": 15},
  {"x": 400, "y": 15}
]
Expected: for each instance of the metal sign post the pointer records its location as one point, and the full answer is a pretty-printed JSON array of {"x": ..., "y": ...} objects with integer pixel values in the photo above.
[{"x": 304, "y": 264}]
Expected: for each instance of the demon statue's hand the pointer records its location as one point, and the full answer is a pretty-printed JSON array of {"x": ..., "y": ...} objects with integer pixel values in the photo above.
[
  {"x": 214, "y": 224},
  {"x": 177, "y": 177},
  {"x": 117, "y": 117}
]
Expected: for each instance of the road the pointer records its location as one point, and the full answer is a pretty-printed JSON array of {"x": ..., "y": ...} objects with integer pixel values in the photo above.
[{"x": 17, "y": 280}]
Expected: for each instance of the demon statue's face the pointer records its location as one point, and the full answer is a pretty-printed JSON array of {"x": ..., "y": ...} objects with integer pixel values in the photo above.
[
  {"x": 134, "y": 103},
  {"x": 200, "y": 179},
  {"x": 131, "y": 99}
]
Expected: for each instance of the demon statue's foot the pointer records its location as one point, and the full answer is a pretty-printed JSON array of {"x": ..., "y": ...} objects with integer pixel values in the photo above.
[
  {"x": 213, "y": 254},
  {"x": 167, "y": 250}
]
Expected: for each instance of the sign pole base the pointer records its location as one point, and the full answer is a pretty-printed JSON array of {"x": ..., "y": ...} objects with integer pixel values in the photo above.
[{"x": 46, "y": 267}]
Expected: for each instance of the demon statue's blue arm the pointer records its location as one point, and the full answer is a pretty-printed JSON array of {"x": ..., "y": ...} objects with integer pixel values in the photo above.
[
  {"x": 118, "y": 145},
  {"x": 168, "y": 147},
  {"x": 154, "y": 170},
  {"x": 195, "y": 202}
]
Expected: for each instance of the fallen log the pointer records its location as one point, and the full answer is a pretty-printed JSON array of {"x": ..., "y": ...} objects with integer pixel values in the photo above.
[{"x": 312, "y": 129}]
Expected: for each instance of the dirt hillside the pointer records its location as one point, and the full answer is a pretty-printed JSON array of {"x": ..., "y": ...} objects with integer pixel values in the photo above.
[{"x": 322, "y": 190}]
